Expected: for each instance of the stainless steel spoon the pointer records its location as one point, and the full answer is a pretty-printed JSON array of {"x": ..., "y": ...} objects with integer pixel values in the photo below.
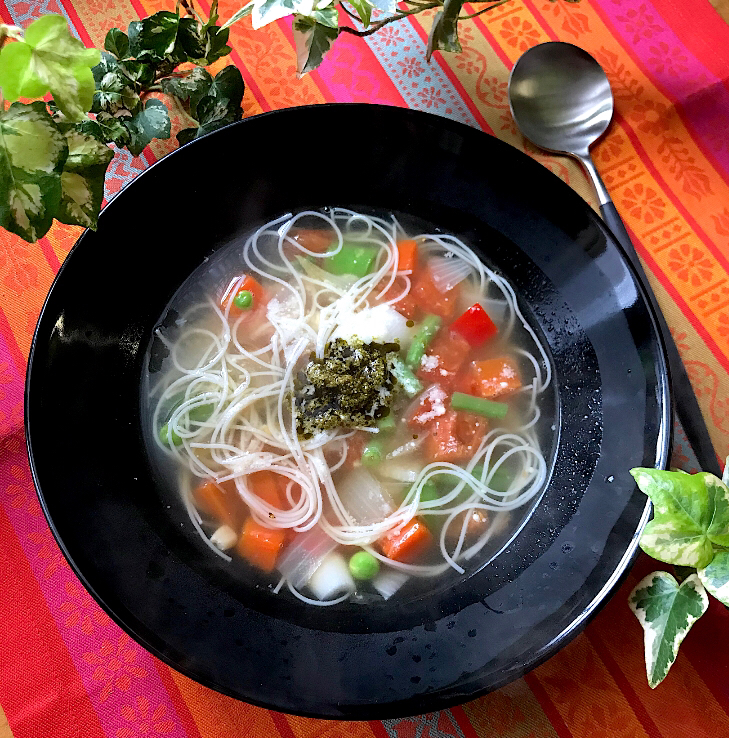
[{"x": 561, "y": 101}]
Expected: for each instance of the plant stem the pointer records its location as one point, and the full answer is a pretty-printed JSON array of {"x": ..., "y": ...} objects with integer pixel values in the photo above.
[
  {"x": 485, "y": 10},
  {"x": 398, "y": 16}
]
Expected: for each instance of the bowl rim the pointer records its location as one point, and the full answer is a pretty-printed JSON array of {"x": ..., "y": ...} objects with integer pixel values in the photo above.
[{"x": 387, "y": 710}]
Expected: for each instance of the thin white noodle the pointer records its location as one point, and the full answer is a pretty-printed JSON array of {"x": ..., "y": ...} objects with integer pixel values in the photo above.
[{"x": 244, "y": 373}]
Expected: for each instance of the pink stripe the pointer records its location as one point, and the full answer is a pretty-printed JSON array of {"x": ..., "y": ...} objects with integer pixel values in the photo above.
[
  {"x": 11, "y": 390},
  {"x": 119, "y": 676},
  {"x": 702, "y": 100}
]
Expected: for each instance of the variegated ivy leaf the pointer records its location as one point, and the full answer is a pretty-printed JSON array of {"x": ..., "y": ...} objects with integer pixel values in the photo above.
[
  {"x": 82, "y": 179},
  {"x": 363, "y": 9},
  {"x": 154, "y": 37},
  {"x": 32, "y": 154},
  {"x": 666, "y": 611},
  {"x": 52, "y": 58},
  {"x": 691, "y": 513},
  {"x": 117, "y": 43},
  {"x": 444, "y": 32},
  {"x": 715, "y": 577},
  {"x": 313, "y": 40},
  {"x": 192, "y": 87},
  {"x": 267, "y": 11},
  {"x": 152, "y": 122},
  {"x": 247, "y": 9}
]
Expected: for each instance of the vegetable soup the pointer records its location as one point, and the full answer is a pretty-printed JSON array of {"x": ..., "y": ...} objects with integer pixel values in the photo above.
[{"x": 345, "y": 405}]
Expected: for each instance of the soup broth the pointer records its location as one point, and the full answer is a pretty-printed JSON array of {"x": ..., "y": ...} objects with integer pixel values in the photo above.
[{"x": 344, "y": 404}]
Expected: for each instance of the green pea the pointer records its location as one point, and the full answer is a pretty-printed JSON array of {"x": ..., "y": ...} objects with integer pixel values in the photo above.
[
  {"x": 243, "y": 300},
  {"x": 363, "y": 565},
  {"x": 165, "y": 436}
]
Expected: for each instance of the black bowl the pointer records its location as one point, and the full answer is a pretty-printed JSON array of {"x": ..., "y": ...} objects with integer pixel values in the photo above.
[{"x": 131, "y": 543}]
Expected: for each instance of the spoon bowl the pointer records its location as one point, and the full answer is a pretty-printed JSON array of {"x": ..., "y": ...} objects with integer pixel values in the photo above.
[{"x": 560, "y": 98}]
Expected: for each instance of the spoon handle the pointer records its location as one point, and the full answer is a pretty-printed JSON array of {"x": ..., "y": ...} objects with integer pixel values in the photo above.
[{"x": 686, "y": 406}]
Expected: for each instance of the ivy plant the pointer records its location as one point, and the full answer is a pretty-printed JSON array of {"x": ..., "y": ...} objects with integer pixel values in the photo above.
[
  {"x": 54, "y": 153},
  {"x": 690, "y": 529},
  {"x": 316, "y": 23}
]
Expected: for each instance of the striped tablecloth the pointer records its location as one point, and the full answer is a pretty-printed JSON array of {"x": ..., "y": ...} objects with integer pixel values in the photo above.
[{"x": 67, "y": 670}]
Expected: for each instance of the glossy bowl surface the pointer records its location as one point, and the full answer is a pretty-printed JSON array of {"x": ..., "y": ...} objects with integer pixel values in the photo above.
[{"x": 132, "y": 545}]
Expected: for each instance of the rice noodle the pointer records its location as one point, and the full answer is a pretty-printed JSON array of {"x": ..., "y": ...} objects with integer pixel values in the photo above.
[{"x": 248, "y": 387}]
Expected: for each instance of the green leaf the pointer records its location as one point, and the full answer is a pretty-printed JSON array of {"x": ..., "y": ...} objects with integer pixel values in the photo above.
[
  {"x": 191, "y": 39},
  {"x": 691, "y": 512},
  {"x": 312, "y": 40},
  {"x": 113, "y": 94},
  {"x": 444, "y": 32},
  {"x": 112, "y": 129},
  {"x": 326, "y": 16},
  {"x": 363, "y": 9},
  {"x": 107, "y": 64},
  {"x": 82, "y": 180},
  {"x": 156, "y": 36},
  {"x": 186, "y": 135},
  {"x": 140, "y": 74},
  {"x": 32, "y": 154},
  {"x": 62, "y": 63},
  {"x": 247, "y": 9},
  {"x": 715, "y": 577},
  {"x": 152, "y": 122},
  {"x": 133, "y": 31},
  {"x": 17, "y": 78},
  {"x": 217, "y": 44},
  {"x": 267, "y": 11},
  {"x": 194, "y": 85},
  {"x": 117, "y": 43},
  {"x": 666, "y": 611}
]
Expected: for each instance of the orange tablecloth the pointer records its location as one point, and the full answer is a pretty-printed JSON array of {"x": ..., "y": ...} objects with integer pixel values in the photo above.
[{"x": 67, "y": 670}]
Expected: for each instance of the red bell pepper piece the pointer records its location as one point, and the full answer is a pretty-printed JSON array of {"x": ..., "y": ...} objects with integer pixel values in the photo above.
[{"x": 475, "y": 325}]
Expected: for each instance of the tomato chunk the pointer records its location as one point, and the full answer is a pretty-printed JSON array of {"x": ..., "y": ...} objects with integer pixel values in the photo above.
[
  {"x": 428, "y": 297},
  {"x": 491, "y": 378},
  {"x": 454, "y": 437},
  {"x": 443, "y": 359}
]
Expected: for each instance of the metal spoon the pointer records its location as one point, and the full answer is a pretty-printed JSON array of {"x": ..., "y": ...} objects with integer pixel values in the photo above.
[{"x": 561, "y": 101}]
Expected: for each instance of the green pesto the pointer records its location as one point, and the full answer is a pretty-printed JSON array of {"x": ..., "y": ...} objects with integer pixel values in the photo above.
[{"x": 351, "y": 386}]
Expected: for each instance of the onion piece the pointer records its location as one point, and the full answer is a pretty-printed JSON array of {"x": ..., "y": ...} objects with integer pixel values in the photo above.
[
  {"x": 305, "y": 555},
  {"x": 388, "y": 581},
  {"x": 332, "y": 578},
  {"x": 408, "y": 447},
  {"x": 401, "y": 470},
  {"x": 363, "y": 497},
  {"x": 448, "y": 272}
]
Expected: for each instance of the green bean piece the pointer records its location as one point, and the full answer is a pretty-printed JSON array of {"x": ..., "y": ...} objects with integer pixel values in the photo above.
[
  {"x": 426, "y": 332},
  {"x": 165, "y": 435},
  {"x": 373, "y": 452},
  {"x": 409, "y": 382},
  {"x": 478, "y": 405},
  {"x": 243, "y": 300},
  {"x": 352, "y": 258},
  {"x": 363, "y": 565}
]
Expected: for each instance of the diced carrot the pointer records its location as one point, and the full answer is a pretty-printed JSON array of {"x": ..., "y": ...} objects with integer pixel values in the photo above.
[
  {"x": 444, "y": 358},
  {"x": 491, "y": 378},
  {"x": 429, "y": 406},
  {"x": 408, "y": 544},
  {"x": 428, "y": 297},
  {"x": 454, "y": 437},
  {"x": 314, "y": 240},
  {"x": 407, "y": 255},
  {"x": 237, "y": 285},
  {"x": 221, "y": 502},
  {"x": 266, "y": 485},
  {"x": 259, "y": 545}
]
